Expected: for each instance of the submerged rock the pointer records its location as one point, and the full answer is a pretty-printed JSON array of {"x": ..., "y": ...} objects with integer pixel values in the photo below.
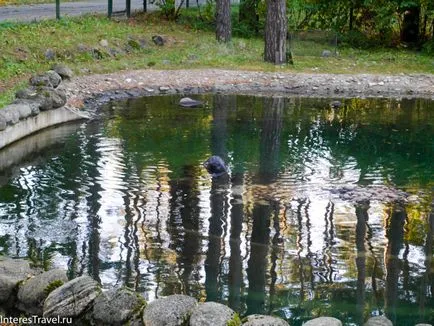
[
  {"x": 324, "y": 321},
  {"x": 32, "y": 293},
  {"x": 215, "y": 166},
  {"x": 117, "y": 307},
  {"x": 187, "y": 102},
  {"x": 212, "y": 314},
  {"x": 335, "y": 104},
  {"x": 378, "y": 321},
  {"x": 72, "y": 298},
  {"x": 262, "y": 320},
  {"x": 174, "y": 310}
]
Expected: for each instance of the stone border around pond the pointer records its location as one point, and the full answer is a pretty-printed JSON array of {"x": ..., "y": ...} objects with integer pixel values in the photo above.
[
  {"x": 32, "y": 293},
  {"x": 39, "y": 106}
]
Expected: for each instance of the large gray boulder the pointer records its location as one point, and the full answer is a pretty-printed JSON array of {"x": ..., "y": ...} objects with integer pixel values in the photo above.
[
  {"x": 55, "y": 78},
  {"x": 32, "y": 104},
  {"x": 10, "y": 115},
  {"x": 71, "y": 299},
  {"x": 3, "y": 123},
  {"x": 262, "y": 320},
  {"x": 323, "y": 321},
  {"x": 212, "y": 314},
  {"x": 12, "y": 272},
  {"x": 40, "y": 81},
  {"x": 55, "y": 97},
  {"x": 45, "y": 98},
  {"x": 378, "y": 321},
  {"x": 34, "y": 291},
  {"x": 49, "y": 78},
  {"x": 173, "y": 310},
  {"x": 63, "y": 71},
  {"x": 24, "y": 110},
  {"x": 117, "y": 307}
]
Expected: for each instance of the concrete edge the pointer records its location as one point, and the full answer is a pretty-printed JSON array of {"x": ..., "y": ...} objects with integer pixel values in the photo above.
[{"x": 33, "y": 124}]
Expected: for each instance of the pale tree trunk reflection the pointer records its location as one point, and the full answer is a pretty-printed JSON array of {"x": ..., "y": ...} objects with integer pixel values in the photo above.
[{"x": 395, "y": 236}]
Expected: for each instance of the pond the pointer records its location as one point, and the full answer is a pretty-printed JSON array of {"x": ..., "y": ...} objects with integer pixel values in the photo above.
[{"x": 310, "y": 221}]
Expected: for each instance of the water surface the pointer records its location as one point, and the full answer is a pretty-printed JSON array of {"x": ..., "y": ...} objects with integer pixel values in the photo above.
[{"x": 125, "y": 199}]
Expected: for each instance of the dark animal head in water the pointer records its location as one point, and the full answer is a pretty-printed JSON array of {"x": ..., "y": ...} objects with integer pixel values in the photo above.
[{"x": 215, "y": 166}]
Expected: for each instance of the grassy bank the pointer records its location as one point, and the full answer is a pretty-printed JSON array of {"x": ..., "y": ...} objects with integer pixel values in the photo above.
[{"x": 77, "y": 42}]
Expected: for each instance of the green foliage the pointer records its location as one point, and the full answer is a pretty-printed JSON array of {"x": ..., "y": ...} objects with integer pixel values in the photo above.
[
  {"x": 235, "y": 321},
  {"x": 52, "y": 286}
]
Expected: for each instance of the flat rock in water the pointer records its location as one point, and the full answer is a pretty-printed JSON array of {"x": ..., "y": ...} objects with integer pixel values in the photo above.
[
  {"x": 187, "y": 102},
  {"x": 117, "y": 307},
  {"x": 378, "y": 321},
  {"x": 262, "y": 320},
  {"x": 33, "y": 292},
  {"x": 323, "y": 321},
  {"x": 211, "y": 314},
  {"x": 174, "y": 310},
  {"x": 72, "y": 298},
  {"x": 12, "y": 271}
]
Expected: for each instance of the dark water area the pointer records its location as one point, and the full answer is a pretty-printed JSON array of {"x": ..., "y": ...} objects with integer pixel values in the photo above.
[{"x": 125, "y": 199}]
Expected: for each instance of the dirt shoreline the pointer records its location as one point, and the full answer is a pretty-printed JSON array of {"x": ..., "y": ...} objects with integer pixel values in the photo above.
[{"x": 149, "y": 82}]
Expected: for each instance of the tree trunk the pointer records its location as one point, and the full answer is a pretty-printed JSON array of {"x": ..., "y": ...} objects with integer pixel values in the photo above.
[
  {"x": 410, "y": 25},
  {"x": 275, "y": 32},
  {"x": 223, "y": 20}
]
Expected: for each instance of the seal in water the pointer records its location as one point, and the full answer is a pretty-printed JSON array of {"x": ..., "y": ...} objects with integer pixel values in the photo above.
[{"x": 215, "y": 166}]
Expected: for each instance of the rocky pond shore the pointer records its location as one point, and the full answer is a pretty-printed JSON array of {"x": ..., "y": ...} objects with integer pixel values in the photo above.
[{"x": 48, "y": 296}]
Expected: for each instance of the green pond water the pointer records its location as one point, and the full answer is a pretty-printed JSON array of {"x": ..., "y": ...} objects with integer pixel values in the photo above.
[{"x": 310, "y": 221}]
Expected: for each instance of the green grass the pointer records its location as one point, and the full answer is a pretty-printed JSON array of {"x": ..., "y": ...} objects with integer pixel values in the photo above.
[{"x": 23, "y": 47}]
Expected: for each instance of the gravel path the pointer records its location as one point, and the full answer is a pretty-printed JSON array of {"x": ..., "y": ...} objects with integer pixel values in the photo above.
[{"x": 142, "y": 82}]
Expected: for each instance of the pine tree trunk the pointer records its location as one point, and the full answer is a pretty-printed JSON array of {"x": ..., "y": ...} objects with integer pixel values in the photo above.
[
  {"x": 223, "y": 20},
  {"x": 410, "y": 25},
  {"x": 275, "y": 32}
]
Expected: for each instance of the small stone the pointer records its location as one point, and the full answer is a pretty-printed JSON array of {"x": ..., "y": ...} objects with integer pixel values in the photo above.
[
  {"x": 262, "y": 320},
  {"x": 174, "y": 310},
  {"x": 103, "y": 43},
  {"x": 50, "y": 54},
  {"x": 54, "y": 78},
  {"x": 63, "y": 71},
  {"x": 211, "y": 314},
  {"x": 378, "y": 321},
  {"x": 187, "y": 102},
  {"x": 326, "y": 53},
  {"x": 423, "y": 325},
  {"x": 158, "y": 40},
  {"x": 323, "y": 321},
  {"x": 164, "y": 88},
  {"x": 72, "y": 298},
  {"x": 335, "y": 104},
  {"x": 40, "y": 80}
]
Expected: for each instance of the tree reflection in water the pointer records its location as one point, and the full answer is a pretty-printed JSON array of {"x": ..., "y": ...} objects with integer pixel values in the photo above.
[{"x": 128, "y": 202}]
